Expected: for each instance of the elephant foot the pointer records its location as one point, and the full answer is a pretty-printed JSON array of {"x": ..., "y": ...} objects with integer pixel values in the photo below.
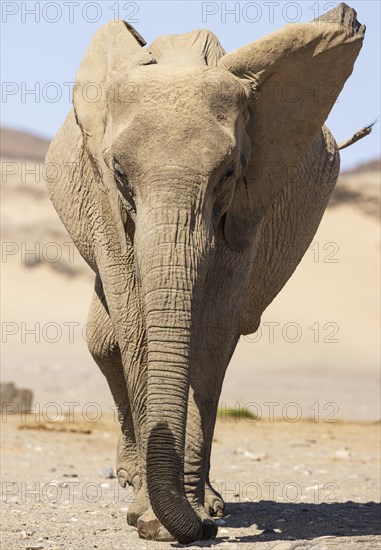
[
  {"x": 137, "y": 508},
  {"x": 141, "y": 516},
  {"x": 126, "y": 478},
  {"x": 209, "y": 527},
  {"x": 150, "y": 528},
  {"x": 214, "y": 503}
]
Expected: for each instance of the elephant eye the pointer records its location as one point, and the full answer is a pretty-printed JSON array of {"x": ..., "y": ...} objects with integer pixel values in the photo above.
[
  {"x": 121, "y": 178},
  {"x": 226, "y": 176}
]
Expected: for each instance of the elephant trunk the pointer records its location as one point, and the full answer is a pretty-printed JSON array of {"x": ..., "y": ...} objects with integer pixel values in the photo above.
[{"x": 171, "y": 256}]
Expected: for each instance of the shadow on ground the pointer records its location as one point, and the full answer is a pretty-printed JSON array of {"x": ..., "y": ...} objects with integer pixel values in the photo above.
[{"x": 293, "y": 521}]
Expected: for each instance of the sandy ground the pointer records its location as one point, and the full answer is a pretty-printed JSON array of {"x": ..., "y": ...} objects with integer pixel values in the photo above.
[{"x": 289, "y": 486}]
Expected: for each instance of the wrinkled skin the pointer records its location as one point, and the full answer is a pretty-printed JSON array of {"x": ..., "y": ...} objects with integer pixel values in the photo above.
[{"x": 193, "y": 195}]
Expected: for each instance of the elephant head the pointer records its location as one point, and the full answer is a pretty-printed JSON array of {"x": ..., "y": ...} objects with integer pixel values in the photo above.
[{"x": 183, "y": 137}]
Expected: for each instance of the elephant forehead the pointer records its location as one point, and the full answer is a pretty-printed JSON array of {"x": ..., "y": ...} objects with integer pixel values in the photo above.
[
  {"x": 181, "y": 117},
  {"x": 155, "y": 87},
  {"x": 142, "y": 146},
  {"x": 165, "y": 140}
]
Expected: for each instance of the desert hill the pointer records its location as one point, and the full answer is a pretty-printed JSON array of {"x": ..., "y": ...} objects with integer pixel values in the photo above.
[
  {"x": 370, "y": 166},
  {"x": 16, "y": 144}
]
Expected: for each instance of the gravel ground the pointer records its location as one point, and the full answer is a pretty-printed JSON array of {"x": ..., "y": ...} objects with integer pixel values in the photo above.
[{"x": 288, "y": 486}]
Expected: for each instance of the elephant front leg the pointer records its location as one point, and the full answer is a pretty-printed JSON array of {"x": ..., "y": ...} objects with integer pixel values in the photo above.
[
  {"x": 200, "y": 427},
  {"x": 206, "y": 379},
  {"x": 127, "y": 469},
  {"x": 105, "y": 352},
  {"x": 195, "y": 463}
]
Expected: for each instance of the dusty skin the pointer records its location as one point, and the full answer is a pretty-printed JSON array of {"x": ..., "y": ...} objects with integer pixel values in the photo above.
[
  {"x": 190, "y": 237},
  {"x": 316, "y": 482}
]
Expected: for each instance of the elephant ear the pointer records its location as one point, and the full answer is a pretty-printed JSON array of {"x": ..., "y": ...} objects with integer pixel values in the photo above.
[
  {"x": 296, "y": 75},
  {"x": 114, "y": 45}
]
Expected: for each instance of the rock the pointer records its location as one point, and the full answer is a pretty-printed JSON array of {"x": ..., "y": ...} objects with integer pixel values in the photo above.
[
  {"x": 24, "y": 535},
  {"x": 108, "y": 472},
  {"x": 13, "y": 400},
  {"x": 268, "y": 531},
  {"x": 343, "y": 453},
  {"x": 59, "y": 483},
  {"x": 254, "y": 456}
]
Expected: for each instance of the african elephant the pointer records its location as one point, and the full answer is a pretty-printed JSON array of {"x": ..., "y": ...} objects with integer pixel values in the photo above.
[{"x": 194, "y": 182}]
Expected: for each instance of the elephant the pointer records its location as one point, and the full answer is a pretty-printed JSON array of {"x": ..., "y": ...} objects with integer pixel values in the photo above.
[{"x": 192, "y": 182}]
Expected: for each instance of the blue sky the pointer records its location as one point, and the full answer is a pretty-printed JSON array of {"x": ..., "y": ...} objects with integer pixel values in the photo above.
[{"x": 44, "y": 42}]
